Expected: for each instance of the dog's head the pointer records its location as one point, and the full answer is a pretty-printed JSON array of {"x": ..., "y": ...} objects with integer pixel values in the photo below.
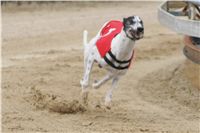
[{"x": 133, "y": 27}]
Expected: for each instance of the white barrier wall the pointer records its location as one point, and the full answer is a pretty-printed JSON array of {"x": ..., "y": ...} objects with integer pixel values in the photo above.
[{"x": 186, "y": 27}]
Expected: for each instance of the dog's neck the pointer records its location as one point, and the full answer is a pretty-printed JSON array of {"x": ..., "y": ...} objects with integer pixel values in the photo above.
[{"x": 122, "y": 46}]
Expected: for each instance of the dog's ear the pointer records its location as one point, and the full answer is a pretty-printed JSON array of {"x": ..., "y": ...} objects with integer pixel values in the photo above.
[{"x": 124, "y": 20}]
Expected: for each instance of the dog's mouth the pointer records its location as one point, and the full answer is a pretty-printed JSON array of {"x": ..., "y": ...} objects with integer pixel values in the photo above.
[
  {"x": 137, "y": 34},
  {"x": 133, "y": 33}
]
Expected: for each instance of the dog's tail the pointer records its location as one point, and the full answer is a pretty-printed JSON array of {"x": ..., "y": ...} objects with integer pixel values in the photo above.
[
  {"x": 85, "y": 34},
  {"x": 85, "y": 44}
]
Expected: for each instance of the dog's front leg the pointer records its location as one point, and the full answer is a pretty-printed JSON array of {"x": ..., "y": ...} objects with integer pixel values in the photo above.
[
  {"x": 108, "y": 97},
  {"x": 85, "y": 81},
  {"x": 97, "y": 84}
]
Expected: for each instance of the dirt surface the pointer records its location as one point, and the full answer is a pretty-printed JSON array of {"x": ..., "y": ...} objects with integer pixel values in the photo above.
[{"x": 42, "y": 54}]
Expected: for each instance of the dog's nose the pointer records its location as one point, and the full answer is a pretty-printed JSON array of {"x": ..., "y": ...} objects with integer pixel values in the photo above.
[{"x": 140, "y": 29}]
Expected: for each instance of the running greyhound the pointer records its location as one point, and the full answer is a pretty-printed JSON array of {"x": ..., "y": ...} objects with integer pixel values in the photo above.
[{"x": 113, "y": 49}]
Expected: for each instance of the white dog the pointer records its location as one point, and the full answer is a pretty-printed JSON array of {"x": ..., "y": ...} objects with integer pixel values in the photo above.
[{"x": 113, "y": 49}]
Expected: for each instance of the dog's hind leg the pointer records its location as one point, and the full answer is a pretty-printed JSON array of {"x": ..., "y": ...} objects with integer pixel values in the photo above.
[
  {"x": 85, "y": 81},
  {"x": 108, "y": 97},
  {"x": 97, "y": 84}
]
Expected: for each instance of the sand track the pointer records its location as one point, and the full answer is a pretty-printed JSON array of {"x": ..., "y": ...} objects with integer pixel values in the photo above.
[
  {"x": 53, "y": 103},
  {"x": 42, "y": 66}
]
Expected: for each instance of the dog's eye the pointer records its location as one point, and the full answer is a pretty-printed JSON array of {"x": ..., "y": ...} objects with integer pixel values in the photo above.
[{"x": 132, "y": 22}]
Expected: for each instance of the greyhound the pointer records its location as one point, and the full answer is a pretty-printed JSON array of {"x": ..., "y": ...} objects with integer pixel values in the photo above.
[{"x": 113, "y": 49}]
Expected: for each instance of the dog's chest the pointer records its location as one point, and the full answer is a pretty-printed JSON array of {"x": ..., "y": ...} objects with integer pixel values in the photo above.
[{"x": 107, "y": 34}]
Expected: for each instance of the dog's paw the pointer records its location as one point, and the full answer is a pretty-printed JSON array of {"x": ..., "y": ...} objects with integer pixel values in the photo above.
[
  {"x": 108, "y": 104},
  {"x": 95, "y": 84},
  {"x": 84, "y": 84},
  {"x": 108, "y": 101}
]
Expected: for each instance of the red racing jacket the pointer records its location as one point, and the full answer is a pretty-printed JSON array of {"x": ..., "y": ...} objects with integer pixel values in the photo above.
[{"x": 103, "y": 44}]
